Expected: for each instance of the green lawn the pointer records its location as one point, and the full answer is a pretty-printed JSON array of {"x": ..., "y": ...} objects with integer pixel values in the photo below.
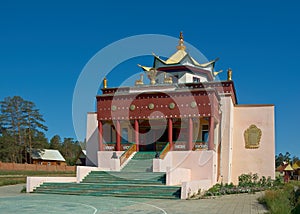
[{"x": 18, "y": 177}]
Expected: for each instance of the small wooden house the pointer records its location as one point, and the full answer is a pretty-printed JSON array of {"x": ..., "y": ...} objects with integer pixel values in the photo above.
[{"x": 47, "y": 157}]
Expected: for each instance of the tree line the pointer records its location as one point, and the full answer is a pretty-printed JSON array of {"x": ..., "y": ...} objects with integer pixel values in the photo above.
[
  {"x": 22, "y": 129},
  {"x": 281, "y": 158}
]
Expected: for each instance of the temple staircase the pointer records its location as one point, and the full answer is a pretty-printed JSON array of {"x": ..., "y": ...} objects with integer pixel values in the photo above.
[{"x": 135, "y": 180}]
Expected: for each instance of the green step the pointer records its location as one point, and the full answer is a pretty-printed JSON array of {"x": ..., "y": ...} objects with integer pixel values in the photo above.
[
  {"x": 144, "y": 155},
  {"x": 134, "y": 190},
  {"x": 135, "y": 180},
  {"x": 125, "y": 177},
  {"x": 140, "y": 162}
]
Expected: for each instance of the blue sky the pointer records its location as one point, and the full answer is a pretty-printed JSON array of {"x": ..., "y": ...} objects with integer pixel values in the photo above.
[{"x": 45, "y": 45}]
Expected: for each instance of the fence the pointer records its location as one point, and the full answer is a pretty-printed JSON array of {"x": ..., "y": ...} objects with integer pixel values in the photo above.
[{"x": 36, "y": 167}]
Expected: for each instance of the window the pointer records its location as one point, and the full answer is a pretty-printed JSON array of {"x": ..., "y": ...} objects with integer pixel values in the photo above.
[
  {"x": 124, "y": 135},
  {"x": 175, "y": 78},
  {"x": 196, "y": 79},
  {"x": 205, "y": 133}
]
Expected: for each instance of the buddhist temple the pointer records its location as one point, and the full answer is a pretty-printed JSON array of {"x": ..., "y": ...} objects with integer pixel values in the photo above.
[
  {"x": 177, "y": 125},
  {"x": 193, "y": 122}
]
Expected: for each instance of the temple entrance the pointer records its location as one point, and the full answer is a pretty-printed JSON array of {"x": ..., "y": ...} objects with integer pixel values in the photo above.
[{"x": 154, "y": 136}]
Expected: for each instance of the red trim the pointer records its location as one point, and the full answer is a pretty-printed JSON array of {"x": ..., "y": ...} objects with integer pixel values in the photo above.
[
  {"x": 190, "y": 133},
  {"x": 223, "y": 86},
  {"x": 100, "y": 135},
  {"x": 136, "y": 132},
  {"x": 118, "y": 135}
]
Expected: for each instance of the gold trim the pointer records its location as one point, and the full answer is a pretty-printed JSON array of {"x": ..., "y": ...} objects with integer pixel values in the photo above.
[{"x": 252, "y": 137}]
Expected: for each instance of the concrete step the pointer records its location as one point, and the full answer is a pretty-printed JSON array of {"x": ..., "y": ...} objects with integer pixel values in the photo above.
[
  {"x": 120, "y": 190},
  {"x": 136, "y": 180}
]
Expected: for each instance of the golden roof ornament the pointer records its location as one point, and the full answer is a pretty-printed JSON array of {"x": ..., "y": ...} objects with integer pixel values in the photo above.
[
  {"x": 181, "y": 46},
  {"x": 152, "y": 75},
  {"x": 167, "y": 80},
  {"x": 140, "y": 81},
  {"x": 217, "y": 72},
  {"x": 104, "y": 82},
  {"x": 229, "y": 74}
]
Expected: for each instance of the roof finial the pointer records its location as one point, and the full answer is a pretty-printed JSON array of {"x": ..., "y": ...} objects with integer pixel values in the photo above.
[
  {"x": 229, "y": 74},
  {"x": 181, "y": 46},
  {"x": 181, "y": 35},
  {"x": 104, "y": 82}
]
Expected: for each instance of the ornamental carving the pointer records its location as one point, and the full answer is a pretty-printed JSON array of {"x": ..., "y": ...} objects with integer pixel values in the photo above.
[
  {"x": 151, "y": 106},
  {"x": 113, "y": 108},
  {"x": 132, "y": 107},
  {"x": 252, "y": 137},
  {"x": 193, "y": 104},
  {"x": 171, "y": 105}
]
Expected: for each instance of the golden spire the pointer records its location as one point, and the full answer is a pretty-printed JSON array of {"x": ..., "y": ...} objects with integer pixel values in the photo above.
[
  {"x": 229, "y": 74},
  {"x": 181, "y": 46},
  {"x": 104, "y": 82}
]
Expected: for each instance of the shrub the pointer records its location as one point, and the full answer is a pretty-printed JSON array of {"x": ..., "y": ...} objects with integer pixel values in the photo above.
[
  {"x": 248, "y": 183},
  {"x": 277, "y": 202},
  {"x": 284, "y": 200}
]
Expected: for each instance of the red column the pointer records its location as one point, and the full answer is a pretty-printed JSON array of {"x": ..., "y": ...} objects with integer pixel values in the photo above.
[
  {"x": 100, "y": 135},
  {"x": 136, "y": 132},
  {"x": 170, "y": 133},
  {"x": 190, "y": 143},
  {"x": 211, "y": 145},
  {"x": 118, "y": 136}
]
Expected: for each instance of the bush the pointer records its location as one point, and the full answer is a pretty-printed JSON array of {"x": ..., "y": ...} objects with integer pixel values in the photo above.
[
  {"x": 284, "y": 200},
  {"x": 277, "y": 202},
  {"x": 248, "y": 183}
]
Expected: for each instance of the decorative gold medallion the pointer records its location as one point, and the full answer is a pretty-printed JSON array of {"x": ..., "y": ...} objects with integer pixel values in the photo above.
[
  {"x": 171, "y": 105},
  {"x": 151, "y": 106},
  {"x": 193, "y": 104},
  {"x": 113, "y": 108},
  {"x": 252, "y": 137},
  {"x": 132, "y": 107}
]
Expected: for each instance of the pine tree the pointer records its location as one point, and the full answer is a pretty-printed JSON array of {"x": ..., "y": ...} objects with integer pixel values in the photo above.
[
  {"x": 21, "y": 121},
  {"x": 55, "y": 142},
  {"x": 34, "y": 123}
]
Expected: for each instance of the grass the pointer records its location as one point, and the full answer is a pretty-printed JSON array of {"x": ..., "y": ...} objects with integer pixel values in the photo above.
[
  {"x": 19, "y": 177},
  {"x": 285, "y": 200}
]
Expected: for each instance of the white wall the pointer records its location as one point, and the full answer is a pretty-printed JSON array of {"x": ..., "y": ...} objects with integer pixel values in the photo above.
[
  {"x": 260, "y": 160},
  {"x": 34, "y": 182},
  {"x": 227, "y": 109},
  {"x": 92, "y": 139},
  {"x": 202, "y": 165},
  {"x": 105, "y": 161}
]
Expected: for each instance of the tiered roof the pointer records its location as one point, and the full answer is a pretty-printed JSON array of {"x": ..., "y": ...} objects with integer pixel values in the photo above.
[{"x": 181, "y": 58}]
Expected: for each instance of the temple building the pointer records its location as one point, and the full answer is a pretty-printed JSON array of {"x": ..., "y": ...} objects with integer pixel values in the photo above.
[{"x": 189, "y": 122}]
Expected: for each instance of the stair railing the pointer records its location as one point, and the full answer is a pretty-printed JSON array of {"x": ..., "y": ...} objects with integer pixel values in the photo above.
[
  {"x": 127, "y": 154},
  {"x": 165, "y": 151}
]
